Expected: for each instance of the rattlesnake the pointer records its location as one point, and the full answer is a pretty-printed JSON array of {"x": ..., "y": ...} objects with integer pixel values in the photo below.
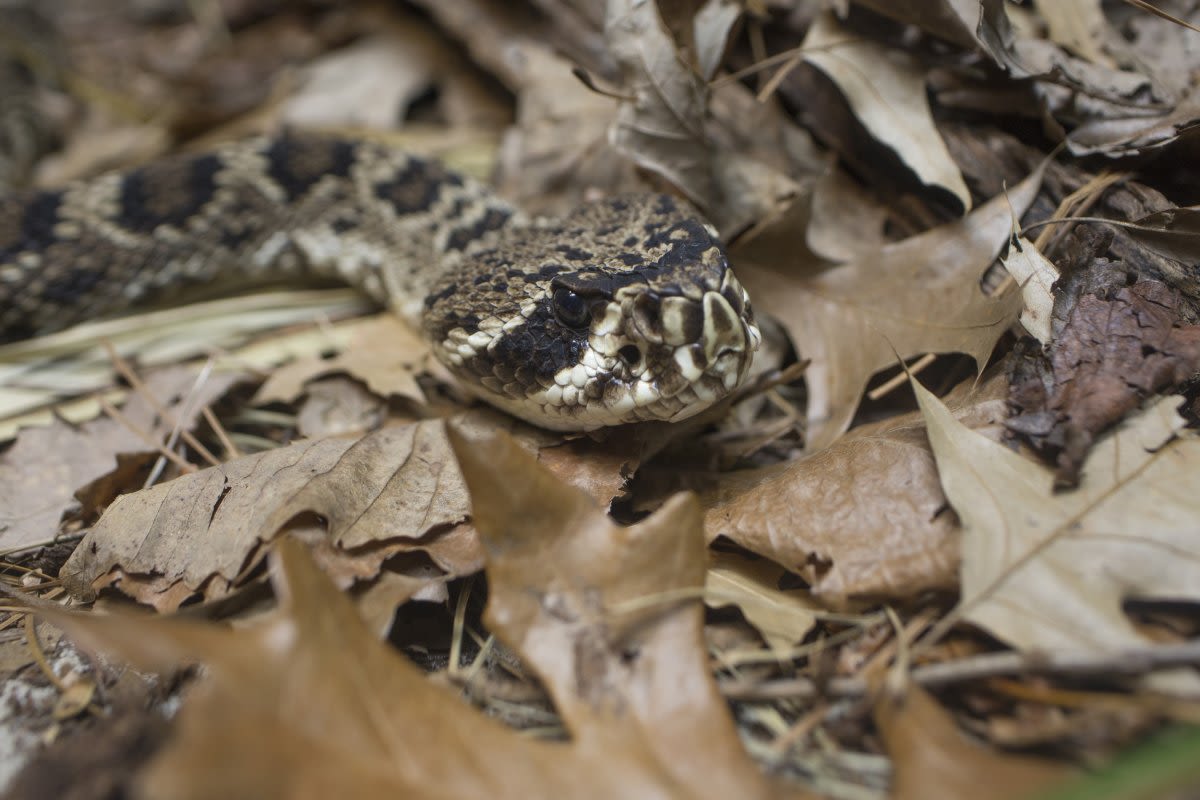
[{"x": 621, "y": 311}]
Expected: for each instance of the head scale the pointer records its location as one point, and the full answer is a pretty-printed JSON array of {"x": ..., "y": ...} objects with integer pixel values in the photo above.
[{"x": 624, "y": 311}]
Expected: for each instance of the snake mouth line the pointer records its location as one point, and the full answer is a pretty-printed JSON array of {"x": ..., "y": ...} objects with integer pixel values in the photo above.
[{"x": 665, "y": 366}]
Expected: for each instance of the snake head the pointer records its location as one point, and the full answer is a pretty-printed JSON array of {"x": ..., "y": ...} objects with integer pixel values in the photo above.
[{"x": 624, "y": 311}]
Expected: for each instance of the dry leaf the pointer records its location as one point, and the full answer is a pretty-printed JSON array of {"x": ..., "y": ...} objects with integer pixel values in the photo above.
[
  {"x": 558, "y": 151},
  {"x": 339, "y": 406},
  {"x": 1034, "y": 273},
  {"x": 41, "y": 472},
  {"x": 1079, "y": 26},
  {"x": 847, "y": 223},
  {"x": 307, "y": 703},
  {"x": 1162, "y": 48},
  {"x": 1137, "y": 133},
  {"x": 366, "y": 85},
  {"x": 593, "y": 609},
  {"x": 782, "y": 617},
  {"x": 865, "y": 516},
  {"x": 934, "y": 760},
  {"x": 382, "y": 352},
  {"x": 373, "y": 82},
  {"x": 972, "y": 24},
  {"x": 1049, "y": 571},
  {"x": 1109, "y": 111},
  {"x": 199, "y": 533},
  {"x": 885, "y": 88},
  {"x": 1173, "y": 234},
  {"x": 920, "y": 295},
  {"x": 662, "y": 127},
  {"x": 711, "y": 28},
  {"x": 395, "y": 490}
]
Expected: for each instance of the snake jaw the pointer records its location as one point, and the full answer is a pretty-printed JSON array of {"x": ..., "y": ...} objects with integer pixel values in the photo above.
[
  {"x": 691, "y": 353},
  {"x": 667, "y": 382},
  {"x": 623, "y": 311}
]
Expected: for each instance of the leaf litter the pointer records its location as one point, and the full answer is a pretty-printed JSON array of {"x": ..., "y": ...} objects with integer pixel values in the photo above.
[
  {"x": 344, "y": 713},
  {"x": 871, "y": 211}
]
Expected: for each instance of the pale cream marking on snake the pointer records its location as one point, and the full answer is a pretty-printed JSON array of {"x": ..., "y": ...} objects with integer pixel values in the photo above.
[{"x": 621, "y": 311}]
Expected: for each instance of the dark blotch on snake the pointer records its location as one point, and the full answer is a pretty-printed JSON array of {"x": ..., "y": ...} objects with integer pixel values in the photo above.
[{"x": 169, "y": 192}]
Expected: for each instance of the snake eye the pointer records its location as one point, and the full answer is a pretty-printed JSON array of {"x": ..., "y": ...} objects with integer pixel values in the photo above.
[{"x": 570, "y": 308}]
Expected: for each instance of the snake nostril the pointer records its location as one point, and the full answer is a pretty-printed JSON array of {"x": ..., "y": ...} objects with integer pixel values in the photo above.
[{"x": 630, "y": 354}]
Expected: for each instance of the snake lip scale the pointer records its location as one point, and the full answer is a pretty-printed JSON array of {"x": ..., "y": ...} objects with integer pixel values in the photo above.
[{"x": 624, "y": 310}]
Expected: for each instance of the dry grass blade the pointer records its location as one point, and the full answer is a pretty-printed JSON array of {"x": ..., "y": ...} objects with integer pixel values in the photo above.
[{"x": 1158, "y": 12}]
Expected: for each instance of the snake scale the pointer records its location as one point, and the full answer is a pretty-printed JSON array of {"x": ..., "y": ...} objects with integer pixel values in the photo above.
[{"x": 621, "y": 311}]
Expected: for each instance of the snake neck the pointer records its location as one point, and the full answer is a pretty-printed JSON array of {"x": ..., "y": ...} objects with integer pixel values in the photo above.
[{"x": 249, "y": 213}]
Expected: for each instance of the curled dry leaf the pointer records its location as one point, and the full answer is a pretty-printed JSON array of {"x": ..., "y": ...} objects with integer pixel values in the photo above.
[
  {"x": 609, "y": 619},
  {"x": 308, "y": 703},
  {"x": 42, "y": 471},
  {"x": 980, "y": 25},
  {"x": 781, "y": 617},
  {"x": 382, "y": 352},
  {"x": 1034, "y": 273},
  {"x": 1049, "y": 571},
  {"x": 1114, "y": 112},
  {"x": 662, "y": 126},
  {"x": 711, "y": 27},
  {"x": 865, "y": 516},
  {"x": 558, "y": 151},
  {"x": 1111, "y": 353},
  {"x": 885, "y": 88},
  {"x": 934, "y": 760},
  {"x": 395, "y": 490},
  {"x": 920, "y": 295},
  {"x": 199, "y": 533},
  {"x": 1173, "y": 234}
]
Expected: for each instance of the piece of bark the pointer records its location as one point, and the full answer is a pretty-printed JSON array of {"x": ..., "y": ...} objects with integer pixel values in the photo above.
[{"x": 1114, "y": 350}]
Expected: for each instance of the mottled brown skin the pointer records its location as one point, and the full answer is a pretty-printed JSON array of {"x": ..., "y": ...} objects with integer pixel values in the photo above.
[{"x": 623, "y": 310}]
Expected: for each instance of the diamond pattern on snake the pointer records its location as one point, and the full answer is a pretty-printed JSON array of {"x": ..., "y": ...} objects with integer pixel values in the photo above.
[{"x": 621, "y": 311}]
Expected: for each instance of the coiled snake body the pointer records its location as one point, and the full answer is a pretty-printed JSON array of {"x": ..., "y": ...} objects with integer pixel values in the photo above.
[{"x": 622, "y": 311}]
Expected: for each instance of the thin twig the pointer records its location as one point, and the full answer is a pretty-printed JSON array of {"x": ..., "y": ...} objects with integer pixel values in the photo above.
[
  {"x": 799, "y": 731},
  {"x": 1133, "y": 226},
  {"x": 1121, "y": 663},
  {"x": 174, "y": 458},
  {"x": 773, "y": 82},
  {"x": 783, "y": 56},
  {"x": 138, "y": 385},
  {"x": 456, "y": 639},
  {"x": 1077, "y": 202},
  {"x": 231, "y": 449},
  {"x": 185, "y": 412},
  {"x": 901, "y": 378},
  {"x": 1158, "y": 12}
]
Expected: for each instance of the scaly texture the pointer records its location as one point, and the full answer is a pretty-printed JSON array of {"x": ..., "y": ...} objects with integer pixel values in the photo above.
[{"x": 624, "y": 310}]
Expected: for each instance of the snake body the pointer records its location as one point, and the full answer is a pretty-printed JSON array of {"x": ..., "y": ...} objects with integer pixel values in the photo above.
[{"x": 621, "y": 311}]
